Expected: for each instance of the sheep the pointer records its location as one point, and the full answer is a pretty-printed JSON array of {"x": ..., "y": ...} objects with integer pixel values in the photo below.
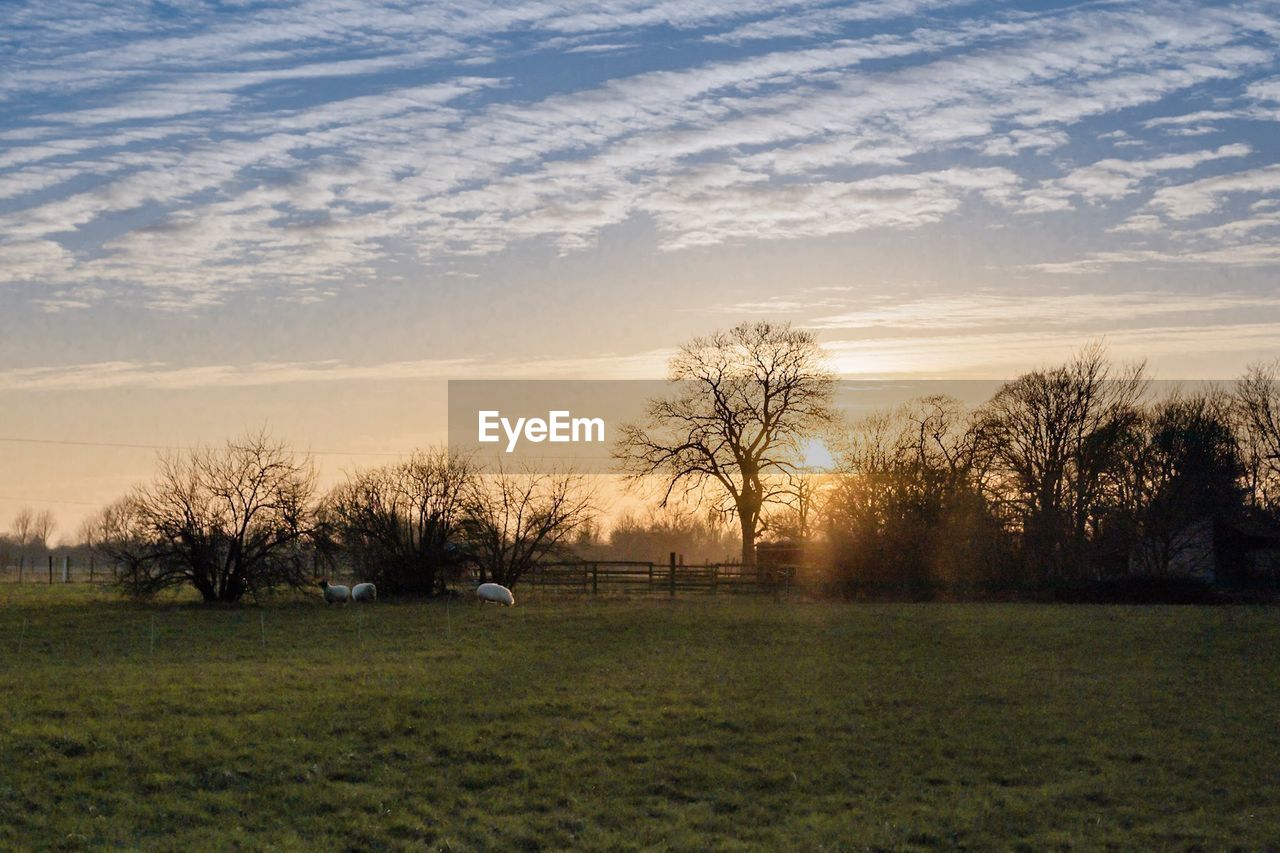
[
  {"x": 335, "y": 594},
  {"x": 364, "y": 592},
  {"x": 497, "y": 593}
]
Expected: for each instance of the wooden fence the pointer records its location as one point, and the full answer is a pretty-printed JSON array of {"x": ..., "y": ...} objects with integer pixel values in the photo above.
[
  {"x": 599, "y": 577},
  {"x": 645, "y": 578}
]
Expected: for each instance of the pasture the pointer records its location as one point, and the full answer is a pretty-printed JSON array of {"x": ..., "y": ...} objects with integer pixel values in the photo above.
[{"x": 634, "y": 724}]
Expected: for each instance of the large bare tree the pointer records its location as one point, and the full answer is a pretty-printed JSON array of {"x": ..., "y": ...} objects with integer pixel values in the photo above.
[
  {"x": 229, "y": 521},
  {"x": 402, "y": 523},
  {"x": 748, "y": 399}
]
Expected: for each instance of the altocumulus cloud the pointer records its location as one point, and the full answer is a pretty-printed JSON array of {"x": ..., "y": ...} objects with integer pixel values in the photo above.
[{"x": 301, "y": 146}]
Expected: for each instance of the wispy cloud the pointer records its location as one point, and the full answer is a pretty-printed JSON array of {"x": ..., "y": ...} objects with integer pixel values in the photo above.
[
  {"x": 1067, "y": 310},
  {"x": 1191, "y": 351},
  {"x": 114, "y": 375}
]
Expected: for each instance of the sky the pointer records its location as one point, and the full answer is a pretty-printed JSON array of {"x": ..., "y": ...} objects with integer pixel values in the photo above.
[{"x": 309, "y": 215}]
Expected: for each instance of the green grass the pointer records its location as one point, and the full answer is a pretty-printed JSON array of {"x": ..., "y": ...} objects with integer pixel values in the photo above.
[{"x": 643, "y": 724}]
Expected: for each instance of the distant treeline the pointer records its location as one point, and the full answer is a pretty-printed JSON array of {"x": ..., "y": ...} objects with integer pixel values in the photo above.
[
  {"x": 28, "y": 540},
  {"x": 1066, "y": 477}
]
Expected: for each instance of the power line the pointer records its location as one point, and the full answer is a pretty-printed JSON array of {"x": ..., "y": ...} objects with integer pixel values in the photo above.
[
  {"x": 46, "y": 501},
  {"x": 129, "y": 446}
]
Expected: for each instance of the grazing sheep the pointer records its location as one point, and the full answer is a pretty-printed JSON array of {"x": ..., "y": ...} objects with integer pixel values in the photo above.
[
  {"x": 364, "y": 592},
  {"x": 335, "y": 594},
  {"x": 497, "y": 593}
]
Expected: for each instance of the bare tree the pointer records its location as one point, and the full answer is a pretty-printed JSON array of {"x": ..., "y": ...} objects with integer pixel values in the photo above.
[
  {"x": 43, "y": 528},
  {"x": 748, "y": 399},
  {"x": 905, "y": 511},
  {"x": 23, "y": 524},
  {"x": 514, "y": 521},
  {"x": 402, "y": 523},
  {"x": 700, "y": 537},
  {"x": 1258, "y": 404},
  {"x": 229, "y": 522},
  {"x": 1053, "y": 437},
  {"x": 795, "y": 517},
  {"x": 119, "y": 532},
  {"x": 32, "y": 529}
]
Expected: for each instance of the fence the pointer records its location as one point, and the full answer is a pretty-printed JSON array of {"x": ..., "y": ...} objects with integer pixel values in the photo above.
[
  {"x": 645, "y": 578},
  {"x": 51, "y": 569},
  {"x": 592, "y": 578}
]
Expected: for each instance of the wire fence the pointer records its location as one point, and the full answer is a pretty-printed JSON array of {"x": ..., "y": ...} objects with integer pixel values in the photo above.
[{"x": 53, "y": 568}]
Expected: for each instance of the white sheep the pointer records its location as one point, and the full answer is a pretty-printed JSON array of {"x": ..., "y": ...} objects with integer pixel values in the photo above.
[
  {"x": 364, "y": 592},
  {"x": 497, "y": 593},
  {"x": 335, "y": 594}
]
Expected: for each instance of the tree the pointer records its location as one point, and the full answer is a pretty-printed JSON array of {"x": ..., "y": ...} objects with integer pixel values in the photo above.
[
  {"x": 1193, "y": 476},
  {"x": 513, "y": 521},
  {"x": 1054, "y": 438},
  {"x": 227, "y": 522},
  {"x": 120, "y": 533},
  {"x": 1257, "y": 399},
  {"x": 672, "y": 529},
  {"x": 31, "y": 529},
  {"x": 905, "y": 512},
  {"x": 403, "y": 523},
  {"x": 748, "y": 399},
  {"x": 23, "y": 523}
]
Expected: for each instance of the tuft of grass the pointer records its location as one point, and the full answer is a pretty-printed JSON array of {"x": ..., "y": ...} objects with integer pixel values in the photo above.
[{"x": 629, "y": 724}]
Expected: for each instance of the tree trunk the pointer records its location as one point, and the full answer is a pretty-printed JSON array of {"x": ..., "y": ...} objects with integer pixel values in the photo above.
[{"x": 748, "y": 541}]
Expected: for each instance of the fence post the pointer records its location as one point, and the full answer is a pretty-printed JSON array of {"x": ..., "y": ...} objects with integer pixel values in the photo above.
[
  {"x": 66, "y": 568},
  {"x": 595, "y": 578},
  {"x": 671, "y": 576},
  {"x": 50, "y": 569},
  {"x": 22, "y": 561},
  {"x": 90, "y": 568}
]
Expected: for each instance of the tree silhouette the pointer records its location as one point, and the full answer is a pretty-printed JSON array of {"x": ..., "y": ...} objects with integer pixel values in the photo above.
[
  {"x": 515, "y": 520},
  {"x": 226, "y": 521},
  {"x": 1054, "y": 437},
  {"x": 403, "y": 523},
  {"x": 747, "y": 400}
]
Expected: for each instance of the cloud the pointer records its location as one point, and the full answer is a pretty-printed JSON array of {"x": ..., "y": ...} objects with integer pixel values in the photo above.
[
  {"x": 699, "y": 212},
  {"x": 1206, "y": 195},
  {"x": 827, "y": 20},
  {"x": 1065, "y": 310},
  {"x": 1184, "y": 351},
  {"x": 112, "y": 375},
  {"x": 305, "y": 144},
  {"x": 1112, "y": 179},
  {"x": 1263, "y": 253}
]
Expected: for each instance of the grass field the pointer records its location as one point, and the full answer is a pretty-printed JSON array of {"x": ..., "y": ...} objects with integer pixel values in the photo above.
[{"x": 645, "y": 724}]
